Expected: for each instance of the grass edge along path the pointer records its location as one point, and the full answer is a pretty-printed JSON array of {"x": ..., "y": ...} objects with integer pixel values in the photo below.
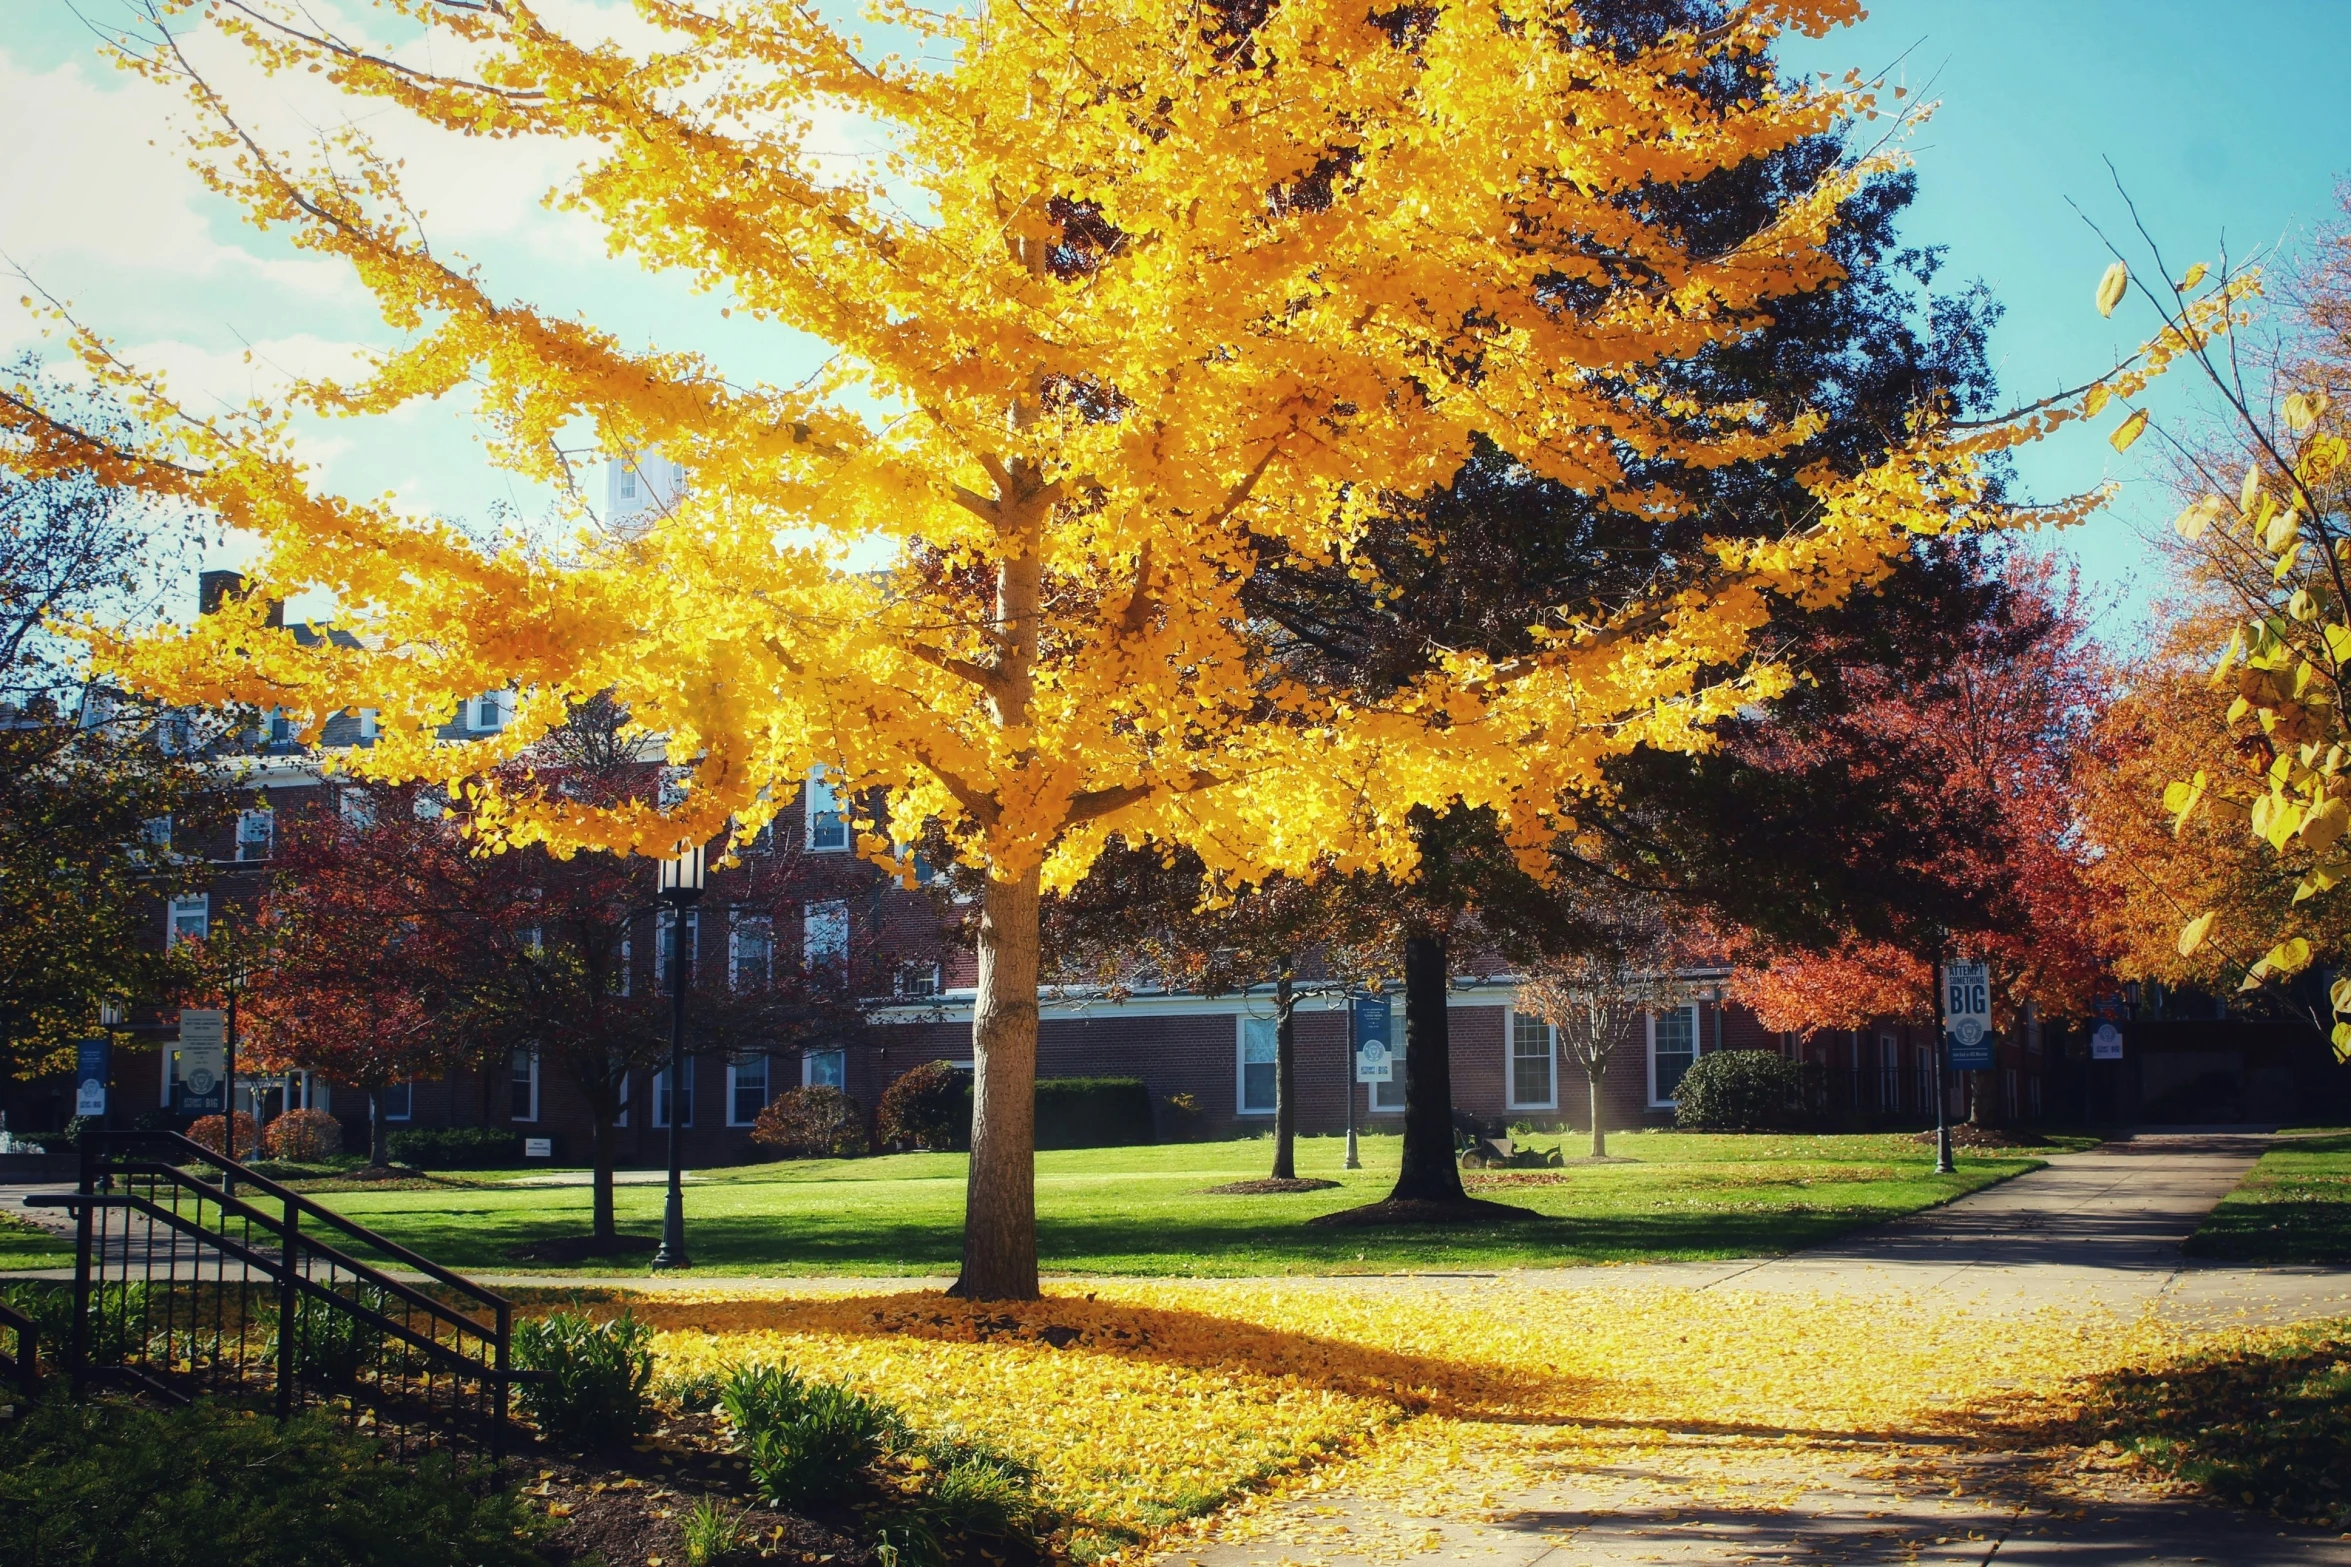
[
  {"x": 1147, "y": 1211},
  {"x": 24, "y": 1244},
  {"x": 2293, "y": 1206}
]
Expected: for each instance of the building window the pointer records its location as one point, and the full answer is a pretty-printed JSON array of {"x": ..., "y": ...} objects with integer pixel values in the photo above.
[
  {"x": 664, "y": 922},
  {"x": 916, "y": 981},
  {"x": 1889, "y": 1073},
  {"x": 1533, "y": 1082},
  {"x": 1926, "y": 1077},
  {"x": 189, "y": 919},
  {"x": 257, "y": 833},
  {"x": 685, "y": 1098},
  {"x": 628, "y": 484},
  {"x": 746, "y": 1090},
  {"x": 824, "y": 1068},
  {"x": 828, "y": 828},
  {"x": 622, "y": 1118},
  {"x": 1388, "y": 1098},
  {"x": 1260, "y": 1065},
  {"x": 525, "y": 1077},
  {"x": 487, "y": 713},
  {"x": 157, "y": 831},
  {"x": 400, "y": 1102},
  {"x": 621, "y": 981},
  {"x": 825, "y": 934},
  {"x": 1673, "y": 1045},
  {"x": 358, "y": 809},
  {"x": 750, "y": 952}
]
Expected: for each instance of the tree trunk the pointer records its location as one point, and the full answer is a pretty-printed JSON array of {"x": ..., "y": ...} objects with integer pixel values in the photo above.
[
  {"x": 1430, "y": 1172},
  {"x": 379, "y": 1136},
  {"x": 1285, "y": 1079},
  {"x": 1000, "y": 1195},
  {"x": 600, "y": 1156},
  {"x": 1599, "y": 1131}
]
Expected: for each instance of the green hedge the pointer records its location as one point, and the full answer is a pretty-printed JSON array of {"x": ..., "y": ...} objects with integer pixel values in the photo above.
[
  {"x": 455, "y": 1147},
  {"x": 1739, "y": 1091},
  {"x": 1092, "y": 1112}
]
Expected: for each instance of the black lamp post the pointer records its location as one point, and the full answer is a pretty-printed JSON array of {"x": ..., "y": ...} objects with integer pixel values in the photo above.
[{"x": 681, "y": 889}]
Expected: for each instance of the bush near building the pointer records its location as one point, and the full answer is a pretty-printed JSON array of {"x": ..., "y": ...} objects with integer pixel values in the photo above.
[
  {"x": 812, "y": 1123},
  {"x": 455, "y": 1147},
  {"x": 1739, "y": 1091},
  {"x": 1093, "y": 1112},
  {"x": 927, "y": 1109},
  {"x": 305, "y": 1136}
]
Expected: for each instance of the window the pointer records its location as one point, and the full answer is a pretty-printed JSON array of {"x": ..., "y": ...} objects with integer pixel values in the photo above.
[
  {"x": 281, "y": 727},
  {"x": 750, "y": 952},
  {"x": 824, "y": 1068},
  {"x": 189, "y": 919},
  {"x": 367, "y": 726},
  {"x": 487, "y": 712},
  {"x": 525, "y": 1079},
  {"x": 1889, "y": 1073},
  {"x": 685, "y": 1097},
  {"x": 664, "y": 923},
  {"x": 1388, "y": 1098},
  {"x": 358, "y": 809},
  {"x": 1926, "y": 1078},
  {"x": 400, "y": 1102},
  {"x": 622, "y": 1119},
  {"x": 1533, "y": 1085},
  {"x": 1260, "y": 1065},
  {"x": 917, "y": 980},
  {"x": 628, "y": 484},
  {"x": 746, "y": 1090},
  {"x": 828, "y": 829},
  {"x": 1673, "y": 1045},
  {"x": 257, "y": 832},
  {"x": 825, "y": 934},
  {"x": 429, "y": 806},
  {"x": 157, "y": 831},
  {"x": 619, "y": 981}
]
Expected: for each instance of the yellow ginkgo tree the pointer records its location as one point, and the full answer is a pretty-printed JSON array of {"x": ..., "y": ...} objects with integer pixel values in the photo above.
[{"x": 1129, "y": 293}]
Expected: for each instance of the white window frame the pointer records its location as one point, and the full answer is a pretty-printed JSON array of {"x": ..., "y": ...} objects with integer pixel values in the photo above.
[
  {"x": 513, "y": 1077},
  {"x": 1650, "y": 1020},
  {"x": 739, "y": 925},
  {"x": 1270, "y": 1028},
  {"x": 829, "y": 914},
  {"x": 407, "y": 1102},
  {"x": 1395, "y": 1083},
  {"x": 267, "y": 837},
  {"x": 918, "y": 981},
  {"x": 662, "y": 1097},
  {"x": 627, "y": 975},
  {"x": 627, "y": 1081},
  {"x": 1510, "y": 1060},
  {"x": 355, "y": 808},
  {"x": 766, "y": 1085},
  {"x": 487, "y": 714},
  {"x": 808, "y": 1060},
  {"x": 662, "y": 941},
  {"x": 1889, "y": 1070},
  {"x": 820, "y": 798},
  {"x": 198, "y": 903}
]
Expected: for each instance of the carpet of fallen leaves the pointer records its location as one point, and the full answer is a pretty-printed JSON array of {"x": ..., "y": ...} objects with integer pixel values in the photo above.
[{"x": 1147, "y": 1406}]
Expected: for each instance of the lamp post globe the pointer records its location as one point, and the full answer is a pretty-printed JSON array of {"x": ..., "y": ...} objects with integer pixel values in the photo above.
[{"x": 681, "y": 889}]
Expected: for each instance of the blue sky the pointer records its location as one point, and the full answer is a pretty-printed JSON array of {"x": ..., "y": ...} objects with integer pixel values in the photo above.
[{"x": 2224, "y": 121}]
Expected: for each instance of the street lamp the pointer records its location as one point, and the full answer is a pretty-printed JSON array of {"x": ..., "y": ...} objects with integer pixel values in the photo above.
[{"x": 681, "y": 889}]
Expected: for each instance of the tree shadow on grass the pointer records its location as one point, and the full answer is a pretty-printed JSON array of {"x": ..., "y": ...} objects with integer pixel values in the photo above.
[{"x": 1193, "y": 1340}]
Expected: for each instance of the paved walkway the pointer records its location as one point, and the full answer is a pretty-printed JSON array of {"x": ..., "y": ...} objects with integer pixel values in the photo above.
[{"x": 2102, "y": 1227}]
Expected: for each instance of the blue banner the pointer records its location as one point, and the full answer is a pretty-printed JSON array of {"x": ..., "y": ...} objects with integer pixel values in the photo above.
[
  {"x": 93, "y": 1065},
  {"x": 1375, "y": 1055}
]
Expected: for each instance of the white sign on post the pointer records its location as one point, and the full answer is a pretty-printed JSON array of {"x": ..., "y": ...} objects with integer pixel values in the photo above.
[
  {"x": 1967, "y": 1016},
  {"x": 2106, "y": 1043},
  {"x": 202, "y": 1026},
  {"x": 538, "y": 1148}
]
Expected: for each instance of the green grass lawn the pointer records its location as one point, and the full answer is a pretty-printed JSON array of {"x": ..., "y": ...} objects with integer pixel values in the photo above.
[
  {"x": 2293, "y": 1206},
  {"x": 1144, "y": 1210},
  {"x": 25, "y": 1245}
]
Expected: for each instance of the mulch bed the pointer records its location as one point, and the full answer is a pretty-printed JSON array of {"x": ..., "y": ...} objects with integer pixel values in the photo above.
[
  {"x": 1967, "y": 1136},
  {"x": 1267, "y": 1187},
  {"x": 1484, "y": 1179},
  {"x": 629, "y": 1508},
  {"x": 1422, "y": 1210},
  {"x": 584, "y": 1248}
]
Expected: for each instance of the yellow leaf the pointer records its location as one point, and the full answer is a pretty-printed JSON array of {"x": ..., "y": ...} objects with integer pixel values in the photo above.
[
  {"x": 2288, "y": 957},
  {"x": 2323, "y": 826},
  {"x": 2192, "y": 936},
  {"x": 2194, "y": 277},
  {"x": 2128, "y": 431},
  {"x": 2190, "y": 524},
  {"x": 2339, "y": 995},
  {"x": 2110, "y": 287},
  {"x": 2302, "y": 411},
  {"x": 2228, "y": 657},
  {"x": 2342, "y": 1039},
  {"x": 2182, "y": 798},
  {"x": 2096, "y": 400},
  {"x": 2249, "y": 491}
]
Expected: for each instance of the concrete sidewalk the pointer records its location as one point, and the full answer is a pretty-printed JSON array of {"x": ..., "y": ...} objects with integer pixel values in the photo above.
[{"x": 2101, "y": 1228}]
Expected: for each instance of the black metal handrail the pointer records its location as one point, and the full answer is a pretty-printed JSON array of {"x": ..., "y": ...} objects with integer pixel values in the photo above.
[
  {"x": 345, "y": 1331},
  {"x": 25, "y": 1365}
]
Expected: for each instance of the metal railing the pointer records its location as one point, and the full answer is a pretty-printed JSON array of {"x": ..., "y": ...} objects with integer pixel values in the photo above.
[{"x": 239, "y": 1287}]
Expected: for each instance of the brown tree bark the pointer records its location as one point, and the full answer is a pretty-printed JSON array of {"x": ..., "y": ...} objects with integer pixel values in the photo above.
[
  {"x": 1285, "y": 1079},
  {"x": 1430, "y": 1172},
  {"x": 379, "y": 1136},
  {"x": 1000, "y": 1193},
  {"x": 1593, "y": 1075},
  {"x": 600, "y": 1158}
]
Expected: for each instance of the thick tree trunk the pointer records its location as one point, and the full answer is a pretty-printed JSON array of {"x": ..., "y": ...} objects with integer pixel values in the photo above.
[
  {"x": 1000, "y": 1196},
  {"x": 600, "y": 1155},
  {"x": 379, "y": 1136},
  {"x": 1285, "y": 1080},
  {"x": 1594, "y": 1074},
  {"x": 1430, "y": 1172}
]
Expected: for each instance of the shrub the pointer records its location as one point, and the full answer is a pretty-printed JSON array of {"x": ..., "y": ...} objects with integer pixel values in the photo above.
[
  {"x": 694, "y": 1391},
  {"x": 332, "y": 1346},
  {"x": 928, "y": 1108},
  {"x": 714, "y": 1533},
  {"x": 805, "y": 1441},
  {"x": 455, "y": 1147},
  {"x": 1092, "y": 1112},
  {"x": 208, "y": 1485},
  {"x": 304, "y": 1135},
  {"x": 1738, "y": 1091},
  {"x": 812, "y": 1123},
  {"x": 119, "y": 1319},
  {"x": 211, "y": 1132},
  {"x": 597, "y": 1376}
]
